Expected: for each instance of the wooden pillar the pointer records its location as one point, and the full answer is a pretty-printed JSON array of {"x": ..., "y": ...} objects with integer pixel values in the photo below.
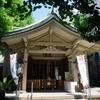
[
  {"x": 24, "y": 82},
  {"x": 74, "y": 66},
  {"x": 65, "y": 66},
  {"x": 6, "y": 61}
]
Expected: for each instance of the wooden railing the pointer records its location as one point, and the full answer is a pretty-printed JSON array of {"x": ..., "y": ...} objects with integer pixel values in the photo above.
[
  {"x": 41, "y": 84},
  {"x": 36, "y": 84}
]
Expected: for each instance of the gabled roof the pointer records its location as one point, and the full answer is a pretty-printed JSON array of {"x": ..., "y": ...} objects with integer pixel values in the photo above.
[
  {"x": 36, "y": 25},
  {"x": 49, "y": 33}
]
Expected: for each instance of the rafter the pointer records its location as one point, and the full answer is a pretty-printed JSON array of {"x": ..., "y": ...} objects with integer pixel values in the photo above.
[
  {"x": 57, "y": 38},
  {"x": 68, "y": 31},
  {"x": 38, "y": 38},
  {"x": 84, "y": 47},
  {"x": 50, "y": 36},
  {"x": 51, "y": 30},
  {"x": 42, "y": 38},
  {"x": 16, "y": 45},
  {"x": 61, "y": 38},
  {"x": 18, "y": 49}
]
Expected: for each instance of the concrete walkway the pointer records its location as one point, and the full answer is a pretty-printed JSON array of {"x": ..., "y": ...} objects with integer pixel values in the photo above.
[{"x": 95, "y": 95}]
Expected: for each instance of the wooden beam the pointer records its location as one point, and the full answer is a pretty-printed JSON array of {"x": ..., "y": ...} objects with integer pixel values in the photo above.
[
  {"x": 45, "y": 58},
  {"x": 69, "y": 45},
  {"x": 75, "y": 42},
  {"x": 25, "y": 41},
  {"x": 74, "y": 47},
  {"x": 52, "y": 52},
  {"x": 68, "y": 52}
]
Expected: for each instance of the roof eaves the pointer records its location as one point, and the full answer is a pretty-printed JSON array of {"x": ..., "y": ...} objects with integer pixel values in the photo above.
[
  {"x": 38, "y": 24},
  {"x": 32, "y": 26}
]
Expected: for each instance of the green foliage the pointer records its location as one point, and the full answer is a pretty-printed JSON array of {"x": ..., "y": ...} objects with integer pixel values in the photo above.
[
  {"x": 91, "y": 31},
  {"x": 26, "y": 21},
  {"x": 5, "y": 21},
  {"x": 11, "y": 17},
  {"x": 80, "y": 20},
  {"x": 88, "y": 31},
  {"x": 6, "y": 83}
]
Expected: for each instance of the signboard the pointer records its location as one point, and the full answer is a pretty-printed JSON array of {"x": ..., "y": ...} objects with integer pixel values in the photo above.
[
  {"x": 13, "y": 67},
  {"x": 67, "y": 75},
  {"x": 84, "y": 73},
  {"x": 82, "y": 69}
]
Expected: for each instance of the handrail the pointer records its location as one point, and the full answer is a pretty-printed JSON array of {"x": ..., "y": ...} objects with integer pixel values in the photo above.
[{"x": 31, "y": 91}]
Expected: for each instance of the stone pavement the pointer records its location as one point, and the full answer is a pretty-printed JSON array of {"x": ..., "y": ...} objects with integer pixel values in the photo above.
[{"x": 95, "y": 95}]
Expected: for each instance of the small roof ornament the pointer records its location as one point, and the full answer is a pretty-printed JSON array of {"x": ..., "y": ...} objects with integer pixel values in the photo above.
[{"x": 52, "y": 11}]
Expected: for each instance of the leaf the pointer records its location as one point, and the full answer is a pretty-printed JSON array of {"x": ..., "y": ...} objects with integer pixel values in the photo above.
[
  {"x": 1, "y": 85},
  {"x": 9, "y": 83},
  {"x": 45, "y": 6},
  {"x": 49, "y": 7},
  {"x": 97, "y": 7},
  {"x": 4, "y": 80}
]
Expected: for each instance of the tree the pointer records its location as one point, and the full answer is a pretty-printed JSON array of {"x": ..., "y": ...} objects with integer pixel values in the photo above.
[
  {"x": 5, "y": 21},
  {"x": 90, "y": 30},
  {"x": 10, "y": 17}
]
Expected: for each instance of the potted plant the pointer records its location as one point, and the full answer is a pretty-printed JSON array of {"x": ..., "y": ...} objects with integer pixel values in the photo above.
[{"x": 4, "y": 84}]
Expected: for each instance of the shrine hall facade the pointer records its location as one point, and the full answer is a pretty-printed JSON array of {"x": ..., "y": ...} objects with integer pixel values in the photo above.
[{"x": 47, "y": 50}]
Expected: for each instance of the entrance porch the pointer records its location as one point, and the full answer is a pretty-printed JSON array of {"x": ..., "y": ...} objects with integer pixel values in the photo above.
[{"x": 38, "y": 71}]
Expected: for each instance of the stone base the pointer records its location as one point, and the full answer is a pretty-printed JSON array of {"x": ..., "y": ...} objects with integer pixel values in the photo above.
[{"x": 19, "y": 91}]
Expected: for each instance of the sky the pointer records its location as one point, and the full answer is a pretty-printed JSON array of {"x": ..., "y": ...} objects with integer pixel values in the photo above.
[
  {"x": 40, "y": 13},
  {"x": 98, "y": 3}
]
